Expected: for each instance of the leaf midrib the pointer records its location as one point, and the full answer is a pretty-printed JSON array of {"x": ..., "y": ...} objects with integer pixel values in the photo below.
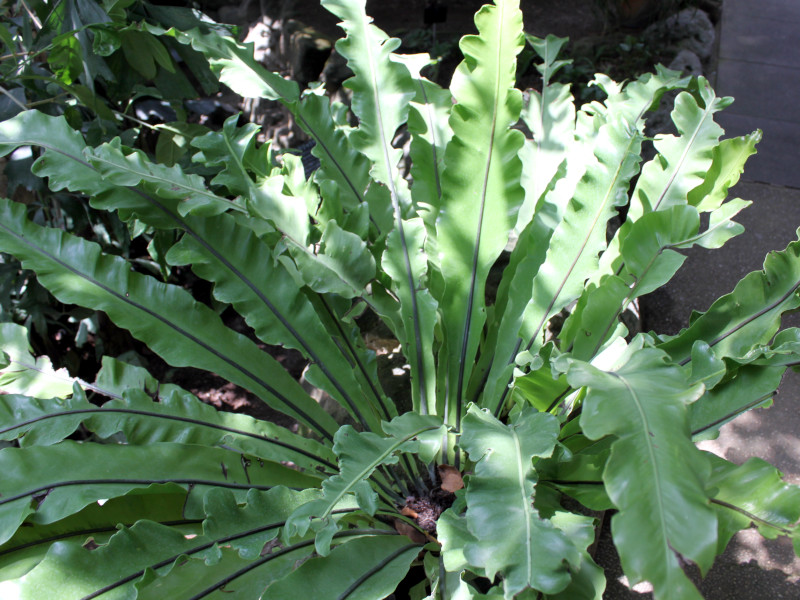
[
  {"x": 526, "y": 505},
  {"x": 188, "y": 481},
  {"x": 745, "y": 322},
  {"x": 654, "y": 465},
  {"x": 200, "y": 422},
  {"x": 373, "y": 73},
  {"x": 479, "y": 229},
  {"x": 708, "y": 111},
  {"x": 149, "y": 176}
]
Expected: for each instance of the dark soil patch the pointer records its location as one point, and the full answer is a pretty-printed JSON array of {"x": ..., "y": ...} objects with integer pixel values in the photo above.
[{"x": 425, "y": 510}]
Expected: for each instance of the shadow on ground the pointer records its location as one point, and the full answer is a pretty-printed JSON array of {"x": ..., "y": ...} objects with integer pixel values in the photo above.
[{"x": 750, "y": 569}]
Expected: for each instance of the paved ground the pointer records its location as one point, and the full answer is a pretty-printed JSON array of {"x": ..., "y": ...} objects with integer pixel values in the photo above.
[{"x": 759, "y": 64}]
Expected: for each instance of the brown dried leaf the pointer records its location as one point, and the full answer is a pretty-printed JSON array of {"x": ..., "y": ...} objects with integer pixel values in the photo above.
[
  {"x": 381, "y": 345},
  {"x": 409, "y": 512},
  {"x": 451, "y": 478},
  {"x": 409, "y": 531}
]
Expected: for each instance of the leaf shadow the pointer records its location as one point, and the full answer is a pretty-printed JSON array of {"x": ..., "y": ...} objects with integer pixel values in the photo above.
[{"x": 751, "y": 567}]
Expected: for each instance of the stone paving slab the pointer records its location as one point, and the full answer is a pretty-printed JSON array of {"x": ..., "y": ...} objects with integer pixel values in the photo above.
[
  {"x": 781, "y": 10},
  {"x": 776, "y": 161},
  {"x": 760, "y": 90},
  {"x": 761, "y": 40},
  {"x": 759, "y": 65}
]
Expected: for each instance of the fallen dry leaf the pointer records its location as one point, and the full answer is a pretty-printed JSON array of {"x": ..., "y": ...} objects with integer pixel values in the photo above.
[
  {"x": 451, "y": 478},
  {"x": 409, "y": 512},
  {"x": 410, "y": 531}
]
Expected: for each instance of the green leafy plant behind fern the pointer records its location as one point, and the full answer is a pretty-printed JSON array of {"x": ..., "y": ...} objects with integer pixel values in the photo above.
[{"x": 460, "y": 489}]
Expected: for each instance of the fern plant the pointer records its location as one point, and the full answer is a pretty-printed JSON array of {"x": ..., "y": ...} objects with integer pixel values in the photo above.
[{"x": 460, "y": 489}]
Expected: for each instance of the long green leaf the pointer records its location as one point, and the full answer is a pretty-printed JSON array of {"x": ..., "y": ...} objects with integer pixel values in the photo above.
[
  {"x": 382, "y": 89},
  {"x": 46, "y": 483},
  {"x": 237, "y": 69},
  {"x": 572, "y": 255},
  {"x": 132, "y": 168},
  {"x": 552, "y": 164},
  {"x": 749, "y": 315},
  {"x": 430, "y": 134},
  {"x": 682, "y": 161},
  {"x": 177, "y": 417},
  {"x": 154, "y": 558},
  {"x": 751, "y": 387},
  {"x": 245, "y": 169},
  {"x": 180, "y": 417},
  {"x": 481, "y": 192},
  {"x": 30, "y": 420},
  {"x": 29, "y": 545},
  {"x": 681, "y": 165},
  {"x": 233, "y": 575},
  {"x": 233, "y": 63},
  {"x": 232, "y": 256},
  {"x": 62, "y": 161},
  {"x": 343, "y": 175},
  {"x": 181, "y": 330},
  {"x": 638, "y": 237},
  {"x": 416, "y": 318},
  {"x": 228, "y": 574},
  {"x": 753, "y": 494},
  {"x": 271, "y": 301},
  {"x": 651, "y": 259},
  {"x": 727, "y": 164},
  {"x": 666, "y": 516},
  {"x": 137, "y": 547},
  {"x": 550, "y": 115},
  {"x": 340, "y": 264},
  {"x": 231, "y": 558}
]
